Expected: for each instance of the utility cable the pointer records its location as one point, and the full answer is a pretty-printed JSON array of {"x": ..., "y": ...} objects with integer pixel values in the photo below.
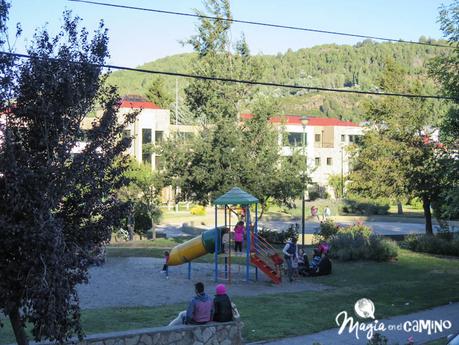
[
  {"x": 279, "y": 26},
  {"x": 231, "y": 80}
]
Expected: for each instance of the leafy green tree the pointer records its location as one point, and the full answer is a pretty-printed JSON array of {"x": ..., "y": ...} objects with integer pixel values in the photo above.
[
  {"x": 335, "y": 181},
  {"x": 211, "y": 100},
  {"x": 226, "y": 154},
  {"x": 445, "y": 69},
  {"x": 57, "y": 208},
  {"x": 143, "y": 194},
  {"x": 398, "y": 157},
  {"x": 158, "y": 94},
  {"x": 265, "y": 173}
]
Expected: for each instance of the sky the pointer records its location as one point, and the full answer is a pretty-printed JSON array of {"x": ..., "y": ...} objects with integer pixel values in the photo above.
[{"x": 137, "y": 37}]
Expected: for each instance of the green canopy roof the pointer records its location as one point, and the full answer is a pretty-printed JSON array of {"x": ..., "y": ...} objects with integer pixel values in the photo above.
[{"x": 236, "y": 196}]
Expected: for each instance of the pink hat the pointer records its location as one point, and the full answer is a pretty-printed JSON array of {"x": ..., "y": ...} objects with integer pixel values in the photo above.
[{"x": 220, "y": 289}]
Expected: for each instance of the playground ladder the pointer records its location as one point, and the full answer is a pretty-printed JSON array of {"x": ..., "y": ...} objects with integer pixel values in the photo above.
[
  {"x": 262, "y": 251},
  {"x": 266, "y": 269}
]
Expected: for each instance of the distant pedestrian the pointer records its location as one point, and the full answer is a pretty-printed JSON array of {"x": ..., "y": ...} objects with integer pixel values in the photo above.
[
  {"x": 327, "y": 213},
  {"x": 315, "y": 212},
  {"x": 290, "y": 253}
]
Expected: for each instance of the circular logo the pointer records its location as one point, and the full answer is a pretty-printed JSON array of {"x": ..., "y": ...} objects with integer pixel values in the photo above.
[{"x": 365, "y": 308}]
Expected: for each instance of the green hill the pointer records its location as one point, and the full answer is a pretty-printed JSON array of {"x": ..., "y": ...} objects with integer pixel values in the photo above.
[{"x": 336, "y": 66}]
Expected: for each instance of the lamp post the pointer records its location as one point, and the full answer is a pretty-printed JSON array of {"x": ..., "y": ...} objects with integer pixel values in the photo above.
[
  {"x": 304, "y": 122},
  {"x": 342, "y": 171}
]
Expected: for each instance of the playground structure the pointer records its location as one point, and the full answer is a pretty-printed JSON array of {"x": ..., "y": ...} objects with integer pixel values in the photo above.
[{"x": 258, "y": 251}]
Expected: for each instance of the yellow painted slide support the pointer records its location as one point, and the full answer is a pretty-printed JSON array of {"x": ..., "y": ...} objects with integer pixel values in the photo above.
[{"x": 187, "y": 251}]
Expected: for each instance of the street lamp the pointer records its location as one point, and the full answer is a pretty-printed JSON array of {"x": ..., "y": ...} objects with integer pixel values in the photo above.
[
  {"x": 342, "y": 171},
  {"x": 304, "y": 122}
]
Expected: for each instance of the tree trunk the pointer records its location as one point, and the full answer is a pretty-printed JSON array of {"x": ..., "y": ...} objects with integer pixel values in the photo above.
[
  {"x": 16, "y": 323},
  {"x": 131, "y": 226},
  {"x": 153, "y": 229},
  {"x": 399, "y": 207},
  {"x": 427, "y": 215},
  {"x": 261, "y": 212}
]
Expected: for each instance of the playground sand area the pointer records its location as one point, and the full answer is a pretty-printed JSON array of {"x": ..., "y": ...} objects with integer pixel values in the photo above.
[{"x": 133, "y": 282}]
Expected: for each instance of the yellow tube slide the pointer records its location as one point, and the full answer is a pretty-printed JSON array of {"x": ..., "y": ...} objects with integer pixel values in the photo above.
[{"x": 187, "y": 251}]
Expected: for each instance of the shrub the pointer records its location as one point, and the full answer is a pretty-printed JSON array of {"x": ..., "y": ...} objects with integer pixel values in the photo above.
[
  {"x": 357, "y": 205},
  {"x": 357, "y": 229},
  {"x": 327, "y": 229},
  {"x": 355, "y": 243},
  {"x": 432, "y": 244},
  {"x": 273, "y": 236},
  {"x": 198, "y": 210}
]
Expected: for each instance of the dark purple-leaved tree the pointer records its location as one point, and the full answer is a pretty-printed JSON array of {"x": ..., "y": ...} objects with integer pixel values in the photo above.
[{"x": 57, "y": 208}]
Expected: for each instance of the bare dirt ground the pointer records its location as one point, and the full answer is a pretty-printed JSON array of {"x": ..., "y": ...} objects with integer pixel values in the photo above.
[{"x": 129, "y": 282}]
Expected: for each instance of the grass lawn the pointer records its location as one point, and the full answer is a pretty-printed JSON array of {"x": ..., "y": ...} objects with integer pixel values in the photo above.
[{"x": 414, "y": 282}]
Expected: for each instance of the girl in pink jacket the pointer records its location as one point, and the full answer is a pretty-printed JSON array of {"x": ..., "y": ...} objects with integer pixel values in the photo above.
[{"x": 238, "y": 236}]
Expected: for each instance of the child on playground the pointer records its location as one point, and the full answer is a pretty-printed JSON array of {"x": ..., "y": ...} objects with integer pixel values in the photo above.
[
  {"x": 165, "y": 266},
  {"x": 238, "y": 236},
  {"x": 315, "y": 260}
]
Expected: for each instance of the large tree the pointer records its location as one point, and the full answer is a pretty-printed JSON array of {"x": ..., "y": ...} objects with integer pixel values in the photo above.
[
  {"x": 398, "y": 155},
  {"x": 445, "y": 69},
  {"x": 143, "y": 195},
  {"x": 158, "y": 93},
  {"x": 228, "y": 154},
  {"x": 211, "y": 100},
  {"x": 57, "y": 208}
]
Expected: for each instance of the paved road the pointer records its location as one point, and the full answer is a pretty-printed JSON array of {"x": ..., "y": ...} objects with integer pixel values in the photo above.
[{"x": 380, "y": 228}]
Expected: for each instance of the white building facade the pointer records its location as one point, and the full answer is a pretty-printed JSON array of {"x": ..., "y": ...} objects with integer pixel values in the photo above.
[{"x": 326, "y": 139}]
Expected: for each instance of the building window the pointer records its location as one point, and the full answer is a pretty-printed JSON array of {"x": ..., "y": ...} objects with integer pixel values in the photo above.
[
  {"x": 158, "y": 137},
  {"x": 296, "y": 139},
  {"x": 355, "y": 138},
  {"x": 146, "y": 158},
  {"x": 329, "y": 161},
  {"x": 146, "y": 136},
  {"x": 158, "y": 163},
  {"x": 317, "y": 161},
  {"x": 343, "y": 138},
  {"x": 317, "y": 138}
]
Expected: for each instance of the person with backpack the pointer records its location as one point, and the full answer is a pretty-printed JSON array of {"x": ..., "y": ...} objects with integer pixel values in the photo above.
[
  {"x": 290, "y": 253},
  {"x": 199, "y": 311},
  {"x": 223, "y": 311}
]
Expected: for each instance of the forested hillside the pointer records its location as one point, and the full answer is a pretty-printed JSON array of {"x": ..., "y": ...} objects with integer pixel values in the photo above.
[{"x": 336, "y": 66}]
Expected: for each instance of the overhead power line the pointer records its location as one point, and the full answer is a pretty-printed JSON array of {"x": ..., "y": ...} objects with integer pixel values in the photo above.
[
  {"x": 279, "y": 26},
  {"x": 239, "y": 81}
]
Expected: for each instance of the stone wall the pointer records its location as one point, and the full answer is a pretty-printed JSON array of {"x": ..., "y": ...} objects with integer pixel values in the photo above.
[{"x": 228, "y": 333}]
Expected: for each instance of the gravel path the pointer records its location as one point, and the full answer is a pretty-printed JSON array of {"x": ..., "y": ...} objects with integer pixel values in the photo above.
[{"x": 128, "y": 282}]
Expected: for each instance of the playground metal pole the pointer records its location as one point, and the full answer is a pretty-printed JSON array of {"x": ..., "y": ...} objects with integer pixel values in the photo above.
[
  {"x": 247, "y": 231},
  {"x": 226, "y": 257},
  {"x": 256, "y": 237},
  {"x": 216, "y": 248}
]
